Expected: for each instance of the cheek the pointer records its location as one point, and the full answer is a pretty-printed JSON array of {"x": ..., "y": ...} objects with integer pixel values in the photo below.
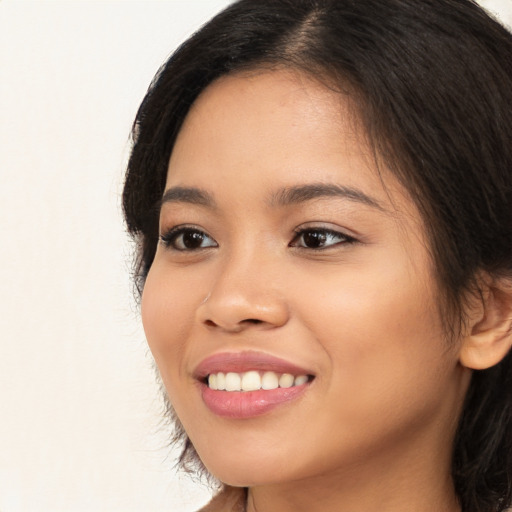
[
  {"x": 382, "y": 334},
  {"x": 167, "y": 309}
]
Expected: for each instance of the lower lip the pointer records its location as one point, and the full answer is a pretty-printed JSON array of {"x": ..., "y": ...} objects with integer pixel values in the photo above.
[{"x": 248, "y": 404}]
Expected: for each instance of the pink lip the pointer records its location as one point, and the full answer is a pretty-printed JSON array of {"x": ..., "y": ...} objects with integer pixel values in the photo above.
[
  {"x": 247, "y": 404},
  {"x": 239, "y": 362}
]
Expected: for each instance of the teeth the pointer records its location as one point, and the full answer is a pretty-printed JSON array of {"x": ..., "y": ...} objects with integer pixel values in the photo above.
[
  {"x": 212, "y": 381},
  {"x": 233, "y": 382},
  {"x": 286, "y": 380},
  {"x": 253, "y": 381},
  {"x": 221, "y": 381},
  {"x": 301, "y": 379},
  {"x": 269, "y": 381}
]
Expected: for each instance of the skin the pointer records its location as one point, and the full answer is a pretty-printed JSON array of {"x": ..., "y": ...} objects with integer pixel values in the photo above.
[{"x": 375, "y": 428}]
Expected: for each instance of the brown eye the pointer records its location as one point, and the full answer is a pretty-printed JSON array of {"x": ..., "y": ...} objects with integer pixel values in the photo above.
[
  {"x": 187, "y": 239},
  {"x": 315, "y": 238}
]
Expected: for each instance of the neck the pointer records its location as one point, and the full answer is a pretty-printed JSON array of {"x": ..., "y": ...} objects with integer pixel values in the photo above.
[{"x": 419, "y": 483}]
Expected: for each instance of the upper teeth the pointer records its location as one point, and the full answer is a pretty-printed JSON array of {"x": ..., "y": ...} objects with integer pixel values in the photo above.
[{"x": 253, "y": 380}]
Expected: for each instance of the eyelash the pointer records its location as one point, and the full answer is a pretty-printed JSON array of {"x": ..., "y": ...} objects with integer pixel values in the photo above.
[
  {"x": 170, "y": 237},
  {"x": 318, "y": 235},
  {"x": 325, "y": 234}
]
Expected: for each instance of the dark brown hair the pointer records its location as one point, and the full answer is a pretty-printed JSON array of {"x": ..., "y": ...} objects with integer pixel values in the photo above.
[{"x": 432, "y": 80}]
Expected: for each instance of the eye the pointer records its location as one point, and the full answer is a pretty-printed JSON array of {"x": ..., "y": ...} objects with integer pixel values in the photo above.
[
  {"x": 187, "y": 239},
  {"x": 319, "y": 238}
]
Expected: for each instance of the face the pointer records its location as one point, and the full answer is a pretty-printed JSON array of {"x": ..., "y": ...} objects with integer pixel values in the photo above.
[{"x": 292, "y": 274}]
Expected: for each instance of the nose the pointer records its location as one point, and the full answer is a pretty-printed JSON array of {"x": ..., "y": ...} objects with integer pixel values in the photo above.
[{"x": 244, "y": 295}]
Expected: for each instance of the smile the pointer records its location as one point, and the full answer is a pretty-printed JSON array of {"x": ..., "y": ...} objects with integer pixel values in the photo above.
[
  {"x": 246, "y": 385},
  {"x": 254, "y": 381}
]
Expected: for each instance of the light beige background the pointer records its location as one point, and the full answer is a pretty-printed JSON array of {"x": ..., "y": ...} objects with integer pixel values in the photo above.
[{"x": 79, "y": 408}]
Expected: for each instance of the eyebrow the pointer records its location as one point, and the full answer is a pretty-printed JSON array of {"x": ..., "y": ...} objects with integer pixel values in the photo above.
[
  {"x": 283, "y": 197},
  {"x": 311, "y": 191},
  {"x": 190, "y": 195}
]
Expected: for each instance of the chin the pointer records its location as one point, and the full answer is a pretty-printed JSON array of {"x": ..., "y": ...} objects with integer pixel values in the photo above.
[
  {"x": 238, "y": 470},
  {"x": 250, "y": 468}
]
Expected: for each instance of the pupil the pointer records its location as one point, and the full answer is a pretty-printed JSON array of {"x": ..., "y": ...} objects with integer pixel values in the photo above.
[
  {"x": 192, "y": 239},
  {"x": 314, "y": 239}
]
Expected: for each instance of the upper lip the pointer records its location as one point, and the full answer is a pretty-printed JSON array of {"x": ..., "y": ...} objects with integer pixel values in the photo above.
[{"x": 240, "y": 362}]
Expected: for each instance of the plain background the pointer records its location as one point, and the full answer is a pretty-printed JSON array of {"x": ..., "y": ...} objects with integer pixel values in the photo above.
[{"x": 79, "y": 407}]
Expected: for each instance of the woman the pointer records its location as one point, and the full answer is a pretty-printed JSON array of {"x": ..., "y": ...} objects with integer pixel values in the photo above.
[{"x": 322, "y": 196}]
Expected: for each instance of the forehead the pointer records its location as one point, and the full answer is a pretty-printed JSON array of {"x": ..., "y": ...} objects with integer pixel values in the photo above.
[
  {"x": 277, "y": 92},
  {"x": 280, "y": 128}
]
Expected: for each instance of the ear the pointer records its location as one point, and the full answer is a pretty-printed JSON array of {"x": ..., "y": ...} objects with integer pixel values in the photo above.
[{"x": 489, "y": 333}]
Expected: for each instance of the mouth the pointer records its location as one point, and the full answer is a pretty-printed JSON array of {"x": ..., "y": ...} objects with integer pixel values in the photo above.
[
  {"x": 254, "y": 381},
  {"x": 250, "y": 384}
]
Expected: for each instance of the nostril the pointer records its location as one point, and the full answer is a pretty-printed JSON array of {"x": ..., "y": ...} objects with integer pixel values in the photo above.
[{"x": 237, "y": 327}]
